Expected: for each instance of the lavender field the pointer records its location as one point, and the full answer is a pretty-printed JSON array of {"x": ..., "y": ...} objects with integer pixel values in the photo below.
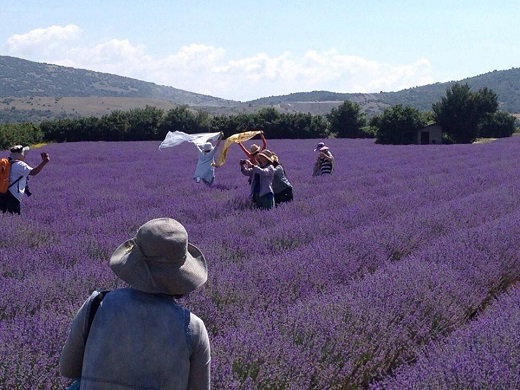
[{"x": 398, "y": 272}]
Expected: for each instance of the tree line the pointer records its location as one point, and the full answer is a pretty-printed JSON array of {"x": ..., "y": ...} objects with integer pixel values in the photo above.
[{"x": 463, "y": 114}]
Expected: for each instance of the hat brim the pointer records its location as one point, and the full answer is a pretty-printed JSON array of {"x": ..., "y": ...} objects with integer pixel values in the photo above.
[
  {"x": 254, "y": 149},
  {"x": 21, "y": 153},
  {"x": 159, "y": 275},
  {"x": 322, "y": 148},
  {"x": 269, "y": 158}
]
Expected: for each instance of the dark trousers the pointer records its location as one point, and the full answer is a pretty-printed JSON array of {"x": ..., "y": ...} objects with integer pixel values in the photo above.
[
  {"x": 9, "y": 204},
  {"x": 284, "y": 196},
  {"x": 265, "y": 202}
]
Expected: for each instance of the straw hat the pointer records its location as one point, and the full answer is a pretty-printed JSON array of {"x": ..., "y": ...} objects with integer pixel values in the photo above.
[
  {"x": 272, "y": 155},
  {"x": 268, "y": 156},
  {"x": 254, "y": 149},
  {"x": 159, "y": 259}
]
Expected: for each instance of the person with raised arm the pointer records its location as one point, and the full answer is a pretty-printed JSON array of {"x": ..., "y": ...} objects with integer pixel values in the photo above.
[
  {"x": 19, "y": 173},
  {"x": 254, "y": 149},
  {"x": 261, "y": 186},
  {"x": 205, "y": 169}
]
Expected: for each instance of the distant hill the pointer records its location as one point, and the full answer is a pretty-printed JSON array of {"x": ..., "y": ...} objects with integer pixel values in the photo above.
[
  {"x": 505, "y": 83},
  {"x": 22, "y": 78},
  {"x": 32, "y": 91}
]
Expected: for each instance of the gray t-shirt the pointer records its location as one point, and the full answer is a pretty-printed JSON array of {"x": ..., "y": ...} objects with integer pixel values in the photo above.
[{"x": 137, "y": 340}]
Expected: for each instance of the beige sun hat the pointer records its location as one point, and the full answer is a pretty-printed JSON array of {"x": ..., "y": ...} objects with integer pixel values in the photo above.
[
  {"x": 272, "y": 155},
  {"x": 159, "y": 259},
  {"x": 254, "y": 149},
  {"x": 268, "y": 156}
]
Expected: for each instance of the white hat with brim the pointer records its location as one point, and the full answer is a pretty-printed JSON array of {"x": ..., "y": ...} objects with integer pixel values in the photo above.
[
  {"x": 159, "y": 259},
  {"x": 321, "y": 146},
  {"x": 18, "y": 152}
]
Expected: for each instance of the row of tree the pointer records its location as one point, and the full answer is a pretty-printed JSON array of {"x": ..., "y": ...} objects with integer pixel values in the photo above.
[
  {"x": 20, "y": 133},
  {"x": 151, "y": 123},
  {"x": 464, "y": 116}
]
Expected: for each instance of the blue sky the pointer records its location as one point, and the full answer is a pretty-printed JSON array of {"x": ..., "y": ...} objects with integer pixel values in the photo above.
[{"x": 246, "y": 49}]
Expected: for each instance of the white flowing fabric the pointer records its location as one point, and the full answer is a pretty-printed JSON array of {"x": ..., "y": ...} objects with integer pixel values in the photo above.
[{"x": 174, "y": 138}]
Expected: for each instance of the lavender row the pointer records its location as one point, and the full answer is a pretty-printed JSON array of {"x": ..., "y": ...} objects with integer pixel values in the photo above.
[
  {"x": 344, "y": 333},
  {"x": 483, "y": 355},
  {"x": 268, "y": 271}
]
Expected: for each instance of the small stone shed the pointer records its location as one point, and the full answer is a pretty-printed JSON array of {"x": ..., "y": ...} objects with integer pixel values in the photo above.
[{"x": 431, "y": 134}]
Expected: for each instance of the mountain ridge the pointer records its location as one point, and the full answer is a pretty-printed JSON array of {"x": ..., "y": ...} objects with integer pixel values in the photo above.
[{"x": 33, "y": 91}]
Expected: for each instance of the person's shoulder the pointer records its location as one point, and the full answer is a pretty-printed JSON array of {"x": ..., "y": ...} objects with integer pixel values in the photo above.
[
  {"x": 278, "y": 169},
  {"x": 20, "y": 165},
  {"x": 195, "y": 321}
]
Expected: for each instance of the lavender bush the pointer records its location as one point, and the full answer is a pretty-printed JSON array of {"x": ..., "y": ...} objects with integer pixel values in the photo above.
[
  {"x": 357, "y": 277},
  {"x": 482, "y": 355}
]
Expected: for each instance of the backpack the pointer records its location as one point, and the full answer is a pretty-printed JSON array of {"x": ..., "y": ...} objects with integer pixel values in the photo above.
[{"x": 5, "y": 170}]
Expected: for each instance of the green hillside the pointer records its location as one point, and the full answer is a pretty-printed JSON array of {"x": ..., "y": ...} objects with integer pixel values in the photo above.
[{"x": 32, "y": 91}]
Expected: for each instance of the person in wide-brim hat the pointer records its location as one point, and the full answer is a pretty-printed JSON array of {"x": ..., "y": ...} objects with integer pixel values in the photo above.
[
  {"x": 282, "y": 188},
  {"x": 261, "y": 174},
  {"x": 254, "y": 149},
  {"x": 159, "y": 259},
  {"x": 140, "y": 336},
  {"x": 324, "y": 164},
  {"x": 321, "y": 146}
]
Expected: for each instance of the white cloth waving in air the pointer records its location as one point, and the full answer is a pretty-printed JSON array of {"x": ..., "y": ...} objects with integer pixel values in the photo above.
[{"x": 174, "y": 138}]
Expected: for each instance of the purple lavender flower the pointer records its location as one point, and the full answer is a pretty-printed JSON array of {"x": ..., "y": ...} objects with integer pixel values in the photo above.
[{"x": 397, "y": 257}]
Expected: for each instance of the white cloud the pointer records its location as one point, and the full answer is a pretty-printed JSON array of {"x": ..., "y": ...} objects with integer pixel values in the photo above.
[
  {"x": 114, "y": 56},
  {"x": 208, "y": 70},
  {"x": 43, "y": 42}
]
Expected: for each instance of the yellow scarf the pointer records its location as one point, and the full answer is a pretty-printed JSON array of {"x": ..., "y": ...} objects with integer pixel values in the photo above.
[{"x": 233, "y": 139}]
